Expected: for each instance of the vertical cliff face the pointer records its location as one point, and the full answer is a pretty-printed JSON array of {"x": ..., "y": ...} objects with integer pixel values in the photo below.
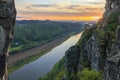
[
  {"x": 7, "y": 21},
  {"x": 112, "y": 19},
  {"x": 72, "y": 60},
  {"x": 99, "y": 45}
]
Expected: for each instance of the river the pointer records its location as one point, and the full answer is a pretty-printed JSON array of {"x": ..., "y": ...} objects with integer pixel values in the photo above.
[{"x": 44, "y": 64}]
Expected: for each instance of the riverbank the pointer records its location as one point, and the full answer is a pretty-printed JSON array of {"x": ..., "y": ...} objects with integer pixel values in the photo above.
[
  {"x": 20, "y": 59},
  {"x": 27, "y": 60},
  {"x": 41, "y": 66}
]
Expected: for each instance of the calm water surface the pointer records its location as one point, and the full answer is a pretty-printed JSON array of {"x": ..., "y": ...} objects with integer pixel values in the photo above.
[{"x": 44, "y": 64}]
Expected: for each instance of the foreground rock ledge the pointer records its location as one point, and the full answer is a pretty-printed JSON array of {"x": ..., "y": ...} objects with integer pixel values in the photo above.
[{"x": 7, "y": 21}]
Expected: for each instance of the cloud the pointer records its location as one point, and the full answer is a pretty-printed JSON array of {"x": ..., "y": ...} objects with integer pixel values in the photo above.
[
  {"x": 82, "y": 9},
  {"x": 82, "y": 12},
  {"x": 60, "y": 10},
  {"x": 97, "y": 3},
  {"x": 18, "y": 17},
  {"x": 93, "y": 2},
  {"x": 42, "y": 5},
  {"x": 69, "y": 7},
  {"x": 60, "y": 7}
]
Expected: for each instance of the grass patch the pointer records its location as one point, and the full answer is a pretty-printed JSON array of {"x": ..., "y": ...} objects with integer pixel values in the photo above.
[{"x": 15, "y": 48}]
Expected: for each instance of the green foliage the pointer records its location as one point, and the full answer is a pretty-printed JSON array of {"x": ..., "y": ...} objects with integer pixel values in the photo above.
[
  {"x": 74, "y": 77},
  {"x": 108, "y": 34},
  {"x": 101, "y": 36},
  {"x": 60, "y": 75},
  {"x": 84, "y": 38},
  {"x": 111, "y": 28},
  {"x": 86, "y": 34},
  {"x": 29, "y": 34},
  {"x": 113, "y": 17},
  {"x": 14, "y": 49},
  {"x": 87, "y": 74}
]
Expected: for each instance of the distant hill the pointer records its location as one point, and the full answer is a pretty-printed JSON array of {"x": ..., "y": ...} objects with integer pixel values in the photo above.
[{"x": 31, "y": 33}]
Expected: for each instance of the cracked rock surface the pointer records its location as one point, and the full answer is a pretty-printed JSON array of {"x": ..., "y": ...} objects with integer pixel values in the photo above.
[{"x": 7, "y": 21}]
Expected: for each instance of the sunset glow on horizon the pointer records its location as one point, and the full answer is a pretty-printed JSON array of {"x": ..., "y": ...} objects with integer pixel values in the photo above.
[{"x": 60, "y": 10}]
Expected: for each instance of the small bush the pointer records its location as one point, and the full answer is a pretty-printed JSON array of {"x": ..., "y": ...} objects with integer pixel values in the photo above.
[{"x": 87, "y": 74}]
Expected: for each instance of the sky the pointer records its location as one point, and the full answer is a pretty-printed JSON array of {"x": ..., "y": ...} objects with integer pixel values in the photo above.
[{"x": 80, "y": 10}]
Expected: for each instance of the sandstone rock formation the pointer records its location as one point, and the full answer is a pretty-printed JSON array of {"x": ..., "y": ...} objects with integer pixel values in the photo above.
[
  {"x": 99, "y": 45},
  {"x": 72, "y": 59},
  {"x": 7, "y": 21}
]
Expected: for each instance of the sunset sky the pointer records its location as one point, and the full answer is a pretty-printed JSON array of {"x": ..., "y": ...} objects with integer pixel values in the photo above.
[{"x": 60, "y": 9}]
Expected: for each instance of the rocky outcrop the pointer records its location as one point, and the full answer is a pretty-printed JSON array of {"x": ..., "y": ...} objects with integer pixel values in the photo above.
[
  {"x": 112, "y": 68},
  {"x": 112, "y": 6},
  {"x": 112, "y": 18},
  {"x": 99, "y": 45},
  {"x": 92, "y": 50},
  {"x": 72, "y": 58},
  {"x": 7, "y": 21}
]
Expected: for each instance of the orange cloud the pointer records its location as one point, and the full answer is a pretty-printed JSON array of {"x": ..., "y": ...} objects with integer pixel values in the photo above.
[
  {"x": 80, "y": 18},
  {"x": 61, "y": 12}
]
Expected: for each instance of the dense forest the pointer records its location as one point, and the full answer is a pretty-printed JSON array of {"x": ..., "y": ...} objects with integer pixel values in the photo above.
[{"x": 32, "y": 33}]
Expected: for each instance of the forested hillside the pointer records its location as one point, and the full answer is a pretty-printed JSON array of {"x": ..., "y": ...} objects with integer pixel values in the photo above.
[{"x": 31, "y": 33}]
